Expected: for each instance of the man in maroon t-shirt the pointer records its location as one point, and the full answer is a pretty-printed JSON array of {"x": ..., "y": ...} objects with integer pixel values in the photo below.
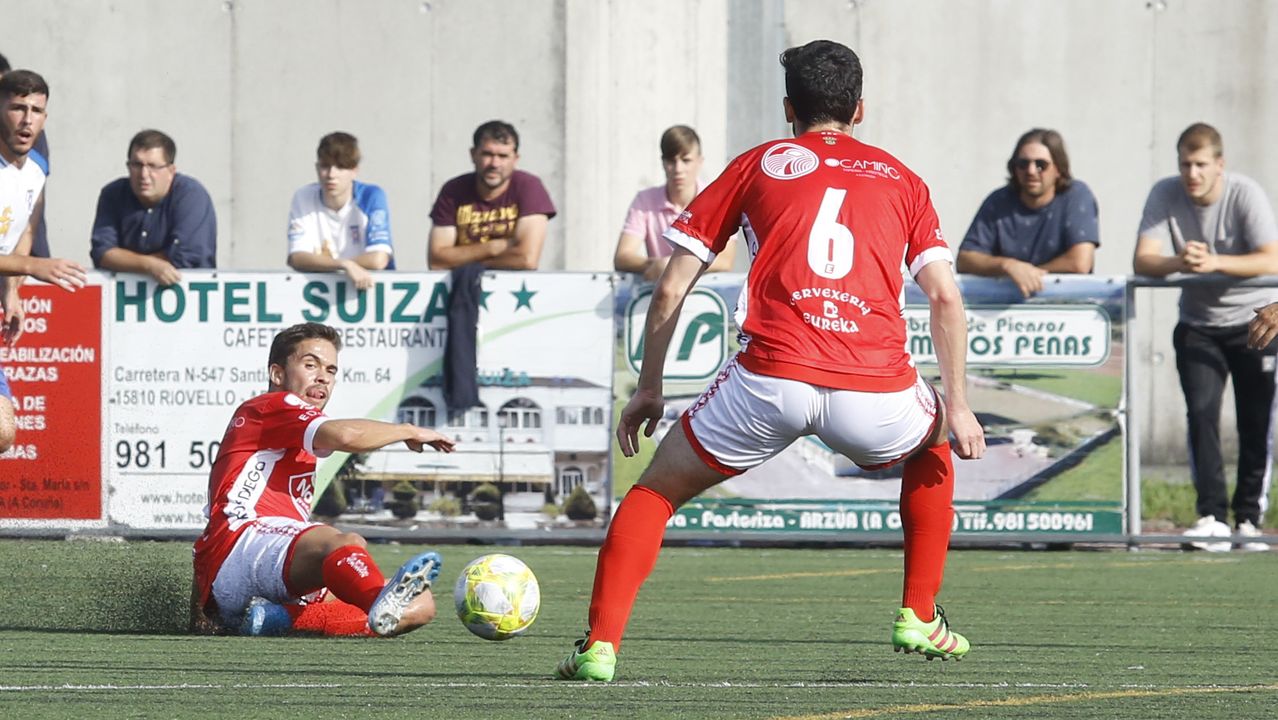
[{"x": 496, "y": 215}]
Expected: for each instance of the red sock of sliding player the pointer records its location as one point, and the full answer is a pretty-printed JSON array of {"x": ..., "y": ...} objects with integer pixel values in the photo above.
[
  {"x": 626, "y": 559},
  {"x": 927, "y": 514},
  {"x": 351, "y": 575},
  {"x": 333, "y": 619}
]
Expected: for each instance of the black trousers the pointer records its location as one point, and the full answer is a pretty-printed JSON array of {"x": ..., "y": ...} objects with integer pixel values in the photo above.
[{"x": 1205, "y": 358}]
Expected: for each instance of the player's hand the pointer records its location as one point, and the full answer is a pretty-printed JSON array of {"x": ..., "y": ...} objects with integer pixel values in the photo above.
[
  {"x": 13, "y": 317},
  {"x": 163, "y": 271},
  {"x": 426, "y": 436},
  {"x": 66, "y": 274},
  {"x": 645, "y": 408},
  {"x": 1263, "y": 328},
  {"x": 969, "y": 436},
  {"x": 1028, "y": 278},
  {"x": 362, "y": 278}
]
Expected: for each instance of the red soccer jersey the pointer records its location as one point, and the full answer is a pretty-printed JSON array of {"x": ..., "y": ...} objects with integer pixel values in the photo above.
[
  {"x": 831, "y": 224},
  {"x": 265, "y": 468}
]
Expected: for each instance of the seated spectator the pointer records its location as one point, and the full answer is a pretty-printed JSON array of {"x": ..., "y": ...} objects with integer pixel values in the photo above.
[
  {"x": 496, "y": 215},
  {"x": 641, "y": 249},
  {"x": 156, "y": 220},
  {"x": 339, "y": 224},
  {"x": 1043, "y": 221}
]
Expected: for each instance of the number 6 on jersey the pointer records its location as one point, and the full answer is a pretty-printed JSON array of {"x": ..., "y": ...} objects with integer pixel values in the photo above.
[{"x": 829, "y": 243}]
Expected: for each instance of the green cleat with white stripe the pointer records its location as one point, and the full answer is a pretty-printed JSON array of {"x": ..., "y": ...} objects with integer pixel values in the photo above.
[
  {"x": 597, "y": 663},
  {"x": 931, "y": 639}
]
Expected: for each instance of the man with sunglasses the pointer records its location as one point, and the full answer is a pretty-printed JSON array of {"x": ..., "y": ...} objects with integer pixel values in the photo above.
[
  {"x": 1043, "y": 221},
  {"x": 155, "y": 221}
]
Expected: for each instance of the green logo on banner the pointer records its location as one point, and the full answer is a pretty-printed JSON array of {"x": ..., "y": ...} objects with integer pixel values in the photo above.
[{"x": 699, "y": 346}]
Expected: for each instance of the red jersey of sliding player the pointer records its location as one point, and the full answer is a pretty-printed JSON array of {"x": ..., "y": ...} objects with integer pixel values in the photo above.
[{"x": 831, "y": 224}]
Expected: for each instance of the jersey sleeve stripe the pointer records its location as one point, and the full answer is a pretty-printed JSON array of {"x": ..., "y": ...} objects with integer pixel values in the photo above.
[
  {"x": 929, "y": 256},
  {"x": 689, "y": 243},
  {"x": 308, "y": 440}
]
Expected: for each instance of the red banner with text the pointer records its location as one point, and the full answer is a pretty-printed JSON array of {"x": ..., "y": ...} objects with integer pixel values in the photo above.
[{"x": 54, "y": 469}]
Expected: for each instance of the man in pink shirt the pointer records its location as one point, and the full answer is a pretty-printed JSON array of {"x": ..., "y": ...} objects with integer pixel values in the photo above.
[{"x": 641, "y": 249}]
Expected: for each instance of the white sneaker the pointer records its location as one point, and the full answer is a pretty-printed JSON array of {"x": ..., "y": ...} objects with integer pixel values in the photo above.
[
  {"x": 1208, "y": 526},
  {"x": 1246, "y": 529}
]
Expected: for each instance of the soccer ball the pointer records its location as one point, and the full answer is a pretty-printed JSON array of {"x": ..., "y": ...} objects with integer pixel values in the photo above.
[{"x": 497, "y": 596}]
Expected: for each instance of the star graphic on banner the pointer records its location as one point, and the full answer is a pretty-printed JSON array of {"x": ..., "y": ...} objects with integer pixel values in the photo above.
[
  {"x": 523, "y": 296},
  {"x": 483, "y": 298}
]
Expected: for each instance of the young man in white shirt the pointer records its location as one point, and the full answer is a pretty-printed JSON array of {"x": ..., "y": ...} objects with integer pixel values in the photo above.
[{"x": 339, "y": 224}]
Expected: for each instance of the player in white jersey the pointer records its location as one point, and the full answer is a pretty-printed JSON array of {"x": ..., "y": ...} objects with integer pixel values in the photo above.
[{"x": 24, "y": 97}]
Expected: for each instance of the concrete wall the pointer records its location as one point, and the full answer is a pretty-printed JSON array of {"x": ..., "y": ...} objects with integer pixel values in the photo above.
[{"x": 247, "y": 87}]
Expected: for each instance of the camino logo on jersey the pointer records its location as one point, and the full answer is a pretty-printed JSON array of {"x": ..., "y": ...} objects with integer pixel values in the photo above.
[{"x": 787, "y": 161}]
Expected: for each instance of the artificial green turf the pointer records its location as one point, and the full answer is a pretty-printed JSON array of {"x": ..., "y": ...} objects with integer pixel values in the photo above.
[{"x": 94, "y": 630}]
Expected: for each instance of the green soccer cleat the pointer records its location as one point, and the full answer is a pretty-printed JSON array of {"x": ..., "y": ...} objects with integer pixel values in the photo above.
[
  {"x": 931, "y": 639},
  {"x": 597, "y": 663}
]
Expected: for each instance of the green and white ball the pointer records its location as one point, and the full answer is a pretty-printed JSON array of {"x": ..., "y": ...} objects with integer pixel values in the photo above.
[{"x": 497, "y": 596}]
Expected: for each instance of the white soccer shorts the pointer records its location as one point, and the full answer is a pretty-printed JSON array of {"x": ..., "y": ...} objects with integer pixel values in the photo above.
[
  {"x": 256, "y": 565},
  {"x": 745, "y": 418}
]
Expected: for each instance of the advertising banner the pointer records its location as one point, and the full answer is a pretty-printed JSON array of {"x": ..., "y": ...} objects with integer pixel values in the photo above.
[
  {"x": 53, "y": 472},
  {"x": 184, "y": 357},
  {"x": 1045, "y": 380}
]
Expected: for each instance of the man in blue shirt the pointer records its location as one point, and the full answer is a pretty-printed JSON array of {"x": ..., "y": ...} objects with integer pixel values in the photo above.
[
  {"x": 1043, "y": 221},
  {"x": 156, "y": 220}
]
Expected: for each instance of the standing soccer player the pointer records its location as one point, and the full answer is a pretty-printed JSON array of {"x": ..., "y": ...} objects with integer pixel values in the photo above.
[
  {"x": 830, "y": 224},
  {"x": 259, "y": 545}
]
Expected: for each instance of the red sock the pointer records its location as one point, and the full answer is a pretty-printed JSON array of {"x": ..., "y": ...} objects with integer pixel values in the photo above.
[
  {"x": 351, "y": 575},
  {"x": 927, "y": 514},
  {"x": 333, "y": 619},
  {"x": 626, "y": 559}
]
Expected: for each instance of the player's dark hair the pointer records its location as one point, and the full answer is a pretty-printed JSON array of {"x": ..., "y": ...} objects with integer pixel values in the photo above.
[
  {"x": 338, "y": 149},
  {"x": 20, "y": 83},
  {"x": 149, "y": 139},
  {"x": 1055, "y": 145},
  {"x": 1198, "y": 136},
  {"x": 497, "y": 131},
  {"x": 287, "y": 340},
  {"x": 823, "y": 81},
  {"x": 4, "y": 64},
  {"x": 677, "y": 141}
]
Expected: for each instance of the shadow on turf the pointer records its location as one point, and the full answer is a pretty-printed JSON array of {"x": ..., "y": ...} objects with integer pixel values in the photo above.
[{"x": 138, "y": 601}]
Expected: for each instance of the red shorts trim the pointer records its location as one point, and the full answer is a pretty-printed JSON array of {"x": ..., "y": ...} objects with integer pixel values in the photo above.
[{"x": 710, "y": 460}]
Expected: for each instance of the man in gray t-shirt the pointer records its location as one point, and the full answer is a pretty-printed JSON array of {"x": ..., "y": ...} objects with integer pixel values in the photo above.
[{"x": 1217, "y": 223}]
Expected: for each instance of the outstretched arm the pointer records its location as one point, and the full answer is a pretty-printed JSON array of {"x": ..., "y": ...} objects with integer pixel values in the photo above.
[{"x": 357, "y": 435}]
